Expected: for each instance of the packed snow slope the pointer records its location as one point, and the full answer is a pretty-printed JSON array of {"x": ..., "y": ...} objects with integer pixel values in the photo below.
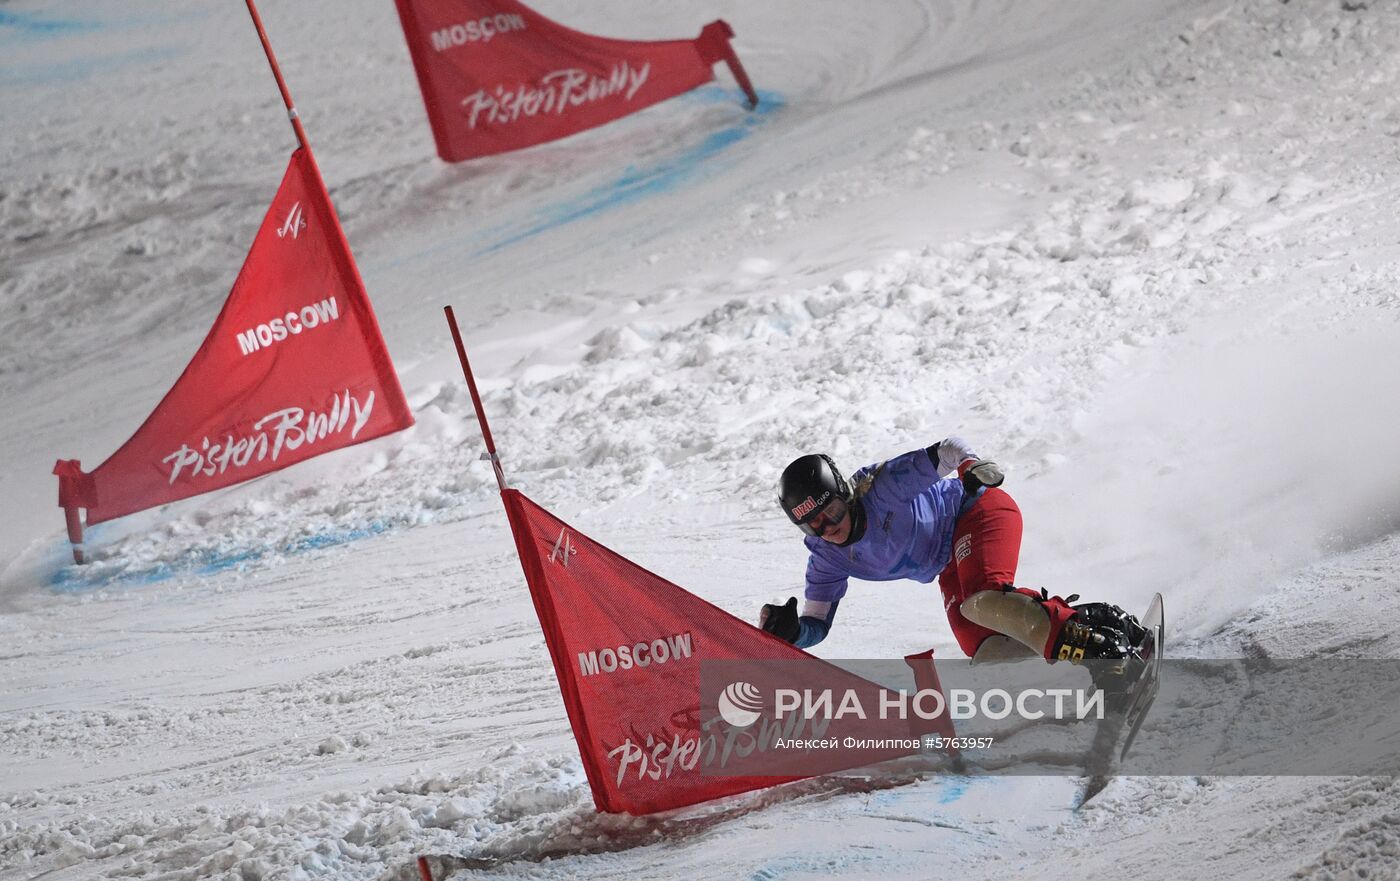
[{"x": 1142, "y": 252}]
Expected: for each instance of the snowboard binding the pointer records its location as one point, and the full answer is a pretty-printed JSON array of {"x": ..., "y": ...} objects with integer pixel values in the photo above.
[{"x": 1113, "y": 640}]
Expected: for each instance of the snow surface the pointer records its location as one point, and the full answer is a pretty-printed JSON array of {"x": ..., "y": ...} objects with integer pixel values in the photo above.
[{"x": 1144, "y": 252}]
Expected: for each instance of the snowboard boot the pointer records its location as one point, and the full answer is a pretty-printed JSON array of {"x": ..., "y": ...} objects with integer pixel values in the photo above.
[
  {"x": 1106, "y": 616},
  {"x": 1106, "y": 637}
]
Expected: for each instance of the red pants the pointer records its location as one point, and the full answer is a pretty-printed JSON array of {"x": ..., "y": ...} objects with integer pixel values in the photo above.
[{"x": 986, "y": 549}]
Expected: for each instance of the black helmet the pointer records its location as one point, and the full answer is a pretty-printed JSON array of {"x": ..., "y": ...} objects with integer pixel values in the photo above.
[{"x": 808, "y": 484}]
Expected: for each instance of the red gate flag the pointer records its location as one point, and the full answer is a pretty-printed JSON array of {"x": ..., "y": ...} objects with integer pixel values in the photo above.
[
  {"x": 293, "y": 367},
  {"x": 498, "y": 76},
  {"x": 627, "y": 648}
]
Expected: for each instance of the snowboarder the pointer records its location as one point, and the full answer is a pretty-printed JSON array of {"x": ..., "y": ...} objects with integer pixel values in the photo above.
[{"x": 910, "y": 517}]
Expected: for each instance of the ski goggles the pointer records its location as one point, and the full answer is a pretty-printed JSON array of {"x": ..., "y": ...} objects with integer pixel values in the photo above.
[{"x": 825, "y": 519}]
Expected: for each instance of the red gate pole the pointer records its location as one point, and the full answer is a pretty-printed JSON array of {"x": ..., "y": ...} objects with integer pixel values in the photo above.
[
  {"x": 281, "y": 83},
  {"x": 476, "y": 398},
  {"x": 75, "y": 492},
  {"x": 75, "y": 533},
  {"x": 715, "y": 46},
  {"x": 74, "y": 523},
  {"x": 295, "y": 119}
]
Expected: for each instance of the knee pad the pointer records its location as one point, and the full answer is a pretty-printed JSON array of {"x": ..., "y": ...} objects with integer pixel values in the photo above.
[{"x": 1012, "y": 613}]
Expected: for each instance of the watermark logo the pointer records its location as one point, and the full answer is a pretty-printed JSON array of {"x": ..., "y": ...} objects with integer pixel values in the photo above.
[
  {"x": 929, "y": 704},
  {"x": 740, "y": 704}
]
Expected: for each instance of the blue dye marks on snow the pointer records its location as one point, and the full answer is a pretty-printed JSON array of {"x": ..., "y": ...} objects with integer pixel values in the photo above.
[
  {"x": 953, "y": 790},
  {"x": 97, "y": 576},
  {"x": 21, "y": 29},
  {"x": 82, "y": 68},
  {"x": 30, "y": 26},
  {"x": 946, "y": 791},
  {"x": 637, "y": 183},
  {"x": 780, "y": 867},
  {"x": 634, "y": 184}
]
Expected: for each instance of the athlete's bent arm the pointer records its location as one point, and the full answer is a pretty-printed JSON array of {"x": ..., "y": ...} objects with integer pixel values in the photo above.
[
  {"x": 815, "y": 622},
  {"x": 826, "y": 585}
]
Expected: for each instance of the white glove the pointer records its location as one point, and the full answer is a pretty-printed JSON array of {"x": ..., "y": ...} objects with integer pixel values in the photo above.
[
  {"x": 982, "y": 473},
  {"x": 952, "y": 452}
]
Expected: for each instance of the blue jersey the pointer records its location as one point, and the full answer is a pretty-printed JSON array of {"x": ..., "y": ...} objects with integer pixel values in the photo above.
[
  {"x": 910, "y": 514},
  {"x": 909, "y": 519}
]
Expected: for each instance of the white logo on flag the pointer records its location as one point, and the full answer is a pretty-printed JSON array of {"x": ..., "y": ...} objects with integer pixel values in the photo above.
[
  {"x": 285, "y": 429},
  {"x": 294, "y": 223},
  {"x": 555, "y": 94},
  {"x": 563, "y": 549}
]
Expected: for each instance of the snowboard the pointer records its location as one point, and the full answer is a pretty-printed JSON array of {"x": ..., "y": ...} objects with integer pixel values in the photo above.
[{"x": 1120, "y": 726}]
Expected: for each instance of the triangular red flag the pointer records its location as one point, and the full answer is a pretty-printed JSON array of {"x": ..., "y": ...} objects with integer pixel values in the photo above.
[
  {"x": 627, "y": 647},
  {"x": 293, "y": 367},
  {"x": 498, "y": 76}
]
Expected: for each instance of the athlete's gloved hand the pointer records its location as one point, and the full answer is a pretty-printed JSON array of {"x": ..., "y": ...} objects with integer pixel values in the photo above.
[
  {"x": 781, "y": 621},
  {"x": 949, "y": 453},
  {"x": 983, "y": 472}
]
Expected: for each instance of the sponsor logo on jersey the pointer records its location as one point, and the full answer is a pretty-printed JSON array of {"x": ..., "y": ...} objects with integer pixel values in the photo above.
[{"x": 963, "y": 548}]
